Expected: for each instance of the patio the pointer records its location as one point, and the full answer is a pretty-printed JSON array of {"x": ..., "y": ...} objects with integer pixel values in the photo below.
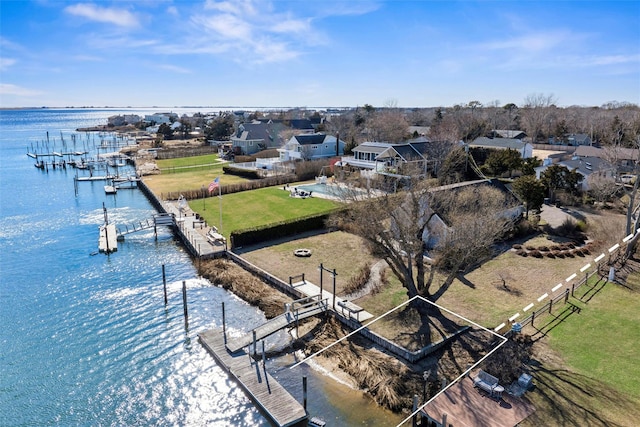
[{"x": 466, "y": 406}]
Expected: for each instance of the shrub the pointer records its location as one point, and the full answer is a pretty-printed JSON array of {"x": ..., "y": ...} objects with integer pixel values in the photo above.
[
  {"x": 536, "y": 254},
  {"x": 579, "y": 252},
  {"x": 521, "y": 252},
  {"x": 550, "y": 255},
  {"x": 358, "y": 281},
  {"x": 559, "y": 254},
  {"x": 517, "y": 246},
  {"x": 569, "y": 254},
  {"x": 531, "y": 248},
  {"x": 543, "y": 249}
]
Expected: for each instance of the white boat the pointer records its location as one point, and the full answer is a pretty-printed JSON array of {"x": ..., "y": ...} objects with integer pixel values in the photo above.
[{"x": 110, "y": 189}]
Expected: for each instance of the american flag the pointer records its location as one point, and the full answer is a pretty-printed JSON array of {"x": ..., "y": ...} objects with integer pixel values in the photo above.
[{"x": 214, "y": 184}]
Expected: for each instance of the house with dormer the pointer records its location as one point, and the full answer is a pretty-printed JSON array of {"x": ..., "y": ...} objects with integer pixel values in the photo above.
[
  {"x": 389, "y": 158},
  {"x": 255, "y": 136},
  {"x": 311, "y": 146}
]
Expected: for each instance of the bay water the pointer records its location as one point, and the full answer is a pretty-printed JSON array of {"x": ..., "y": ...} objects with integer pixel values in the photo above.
[{"x": 85, "y": 338}]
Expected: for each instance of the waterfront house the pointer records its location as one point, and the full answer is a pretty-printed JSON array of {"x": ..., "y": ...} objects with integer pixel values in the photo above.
[
  {"x": 389, "y": 158},
  {"x": 311, "y": 146}
]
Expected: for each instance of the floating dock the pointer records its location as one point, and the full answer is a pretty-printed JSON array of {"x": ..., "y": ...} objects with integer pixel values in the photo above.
[
  {"x": 108, "y": 240},
  {"x": 268, "y": 395}
]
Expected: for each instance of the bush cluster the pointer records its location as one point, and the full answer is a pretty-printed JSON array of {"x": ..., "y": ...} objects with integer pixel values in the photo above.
[{"x": 563, "y": 250}]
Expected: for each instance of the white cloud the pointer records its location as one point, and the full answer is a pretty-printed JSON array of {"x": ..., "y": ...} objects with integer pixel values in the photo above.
[
  {"x": 292, "y": 26},
  {"x": 6, "y": 63},
  {"x": 237, "y": 7},
  {"x": 119, "y": 17},
  {"x": 227, "y": 26},
  {"x": 174, "y": 68},
  {"x": 532, "y": 42},
  {"x": 172, "y": 10},
  {"x": 10, "y": 89}
]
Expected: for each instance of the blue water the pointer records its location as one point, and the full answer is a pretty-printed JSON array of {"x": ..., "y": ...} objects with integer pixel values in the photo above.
[{"x": 85, "y": 338}]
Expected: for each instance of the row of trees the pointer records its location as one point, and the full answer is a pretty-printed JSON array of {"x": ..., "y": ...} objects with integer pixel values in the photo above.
[{"x": 538, "y": 116}]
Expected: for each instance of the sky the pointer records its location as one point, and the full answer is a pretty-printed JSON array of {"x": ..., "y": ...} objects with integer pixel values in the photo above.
[{"x": 317, "y": 53}]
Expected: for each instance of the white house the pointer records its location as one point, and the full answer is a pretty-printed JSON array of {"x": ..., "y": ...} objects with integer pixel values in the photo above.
[{"x": 311, "y": 147}]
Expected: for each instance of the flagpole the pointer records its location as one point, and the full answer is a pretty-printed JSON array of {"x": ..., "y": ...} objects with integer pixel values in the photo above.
[{"x": 220, "y": 198}]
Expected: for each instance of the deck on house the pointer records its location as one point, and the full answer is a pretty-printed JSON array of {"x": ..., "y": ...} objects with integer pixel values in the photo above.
[
  {"x": 466, "y": 406},
  {"x": 268, "y": 395}
]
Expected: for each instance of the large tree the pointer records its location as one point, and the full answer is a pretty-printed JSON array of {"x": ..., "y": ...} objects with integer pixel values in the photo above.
[
  {"x": 531, "y": 191},
  {"x": 557, "y": 177},
  {"x": 396, "y": 226}
]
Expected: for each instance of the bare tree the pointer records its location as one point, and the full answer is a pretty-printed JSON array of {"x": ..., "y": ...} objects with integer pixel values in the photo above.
[
  {"x": 397, "y": 225},
  {"x": 601, "y": 187},
  {"x": 535, "y": 113}
]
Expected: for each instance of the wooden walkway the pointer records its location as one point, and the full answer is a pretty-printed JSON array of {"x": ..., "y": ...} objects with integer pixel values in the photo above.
[
  {"x": 192, "y": 232},
  {"x": 269, "y": 396},
  {"x": 300, "y": 309}
]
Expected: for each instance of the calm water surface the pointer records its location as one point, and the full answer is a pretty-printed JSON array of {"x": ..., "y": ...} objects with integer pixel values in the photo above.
[{"x": 86, "y": 339}]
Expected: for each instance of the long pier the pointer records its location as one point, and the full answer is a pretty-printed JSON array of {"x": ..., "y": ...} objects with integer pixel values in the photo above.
[{"x": 268, "y": 395}]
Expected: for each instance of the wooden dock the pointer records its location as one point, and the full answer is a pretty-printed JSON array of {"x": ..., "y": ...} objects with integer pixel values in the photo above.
[
  {"x": 300, "y": 309},
  {"x": 267, "y": 394}
]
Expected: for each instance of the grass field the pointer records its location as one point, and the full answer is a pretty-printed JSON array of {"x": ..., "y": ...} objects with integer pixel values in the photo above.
[
  {"x": 588, "y": 370},
  {"x": 256, "y": 208},
  {"x": 183, "y": 162},
  {"x": 603, "y": 340}
]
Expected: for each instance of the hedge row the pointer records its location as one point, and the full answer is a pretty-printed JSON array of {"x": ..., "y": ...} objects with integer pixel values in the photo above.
[
  {"x": 252, "y": 236},
  {"x": 271, "y": 181}
]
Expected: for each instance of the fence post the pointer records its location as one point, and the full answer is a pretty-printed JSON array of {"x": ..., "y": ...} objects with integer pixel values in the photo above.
[
  {"x": 566, "y": 296},
  {"x": 533, "y": 317},
  {"x": 550, "y": 305}
]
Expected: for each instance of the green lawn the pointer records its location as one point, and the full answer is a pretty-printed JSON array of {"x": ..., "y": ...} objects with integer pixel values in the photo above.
[
  {"x": 182, "y": 162},
  {"x": 602, "y": 342},
  {"x": 257, "y": 207}
]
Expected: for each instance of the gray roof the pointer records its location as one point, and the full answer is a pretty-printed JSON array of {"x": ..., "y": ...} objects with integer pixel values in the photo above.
[
  {"x": 372, "y": 147},
  {"x": 587, "y": 165},
  {"x": 310, "y": 138},
  {"x": 484, "y": 142}
]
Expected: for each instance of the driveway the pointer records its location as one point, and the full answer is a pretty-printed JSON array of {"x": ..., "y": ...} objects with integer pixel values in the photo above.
[{"x": 556, "y": 216}]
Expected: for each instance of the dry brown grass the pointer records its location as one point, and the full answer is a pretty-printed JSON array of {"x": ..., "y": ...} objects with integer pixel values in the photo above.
[
  {"x": 234, "y": 278},
  {"x": 345, "y": 253}
]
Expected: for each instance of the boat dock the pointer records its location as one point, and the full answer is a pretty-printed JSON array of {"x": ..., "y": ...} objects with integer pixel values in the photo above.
[
  {"x": 192, "y": 230},
  {"x": 298, "y": 310},
  {"x": 268, "y": 395}
]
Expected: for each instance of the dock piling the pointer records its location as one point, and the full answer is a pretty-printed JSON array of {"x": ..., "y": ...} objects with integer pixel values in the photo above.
[
  {"x": 224, "y": 326},
  {"x": 164, "y": 285},
  {"x": 184, "y": 303},
  {"x": 304, "y": 392}
]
